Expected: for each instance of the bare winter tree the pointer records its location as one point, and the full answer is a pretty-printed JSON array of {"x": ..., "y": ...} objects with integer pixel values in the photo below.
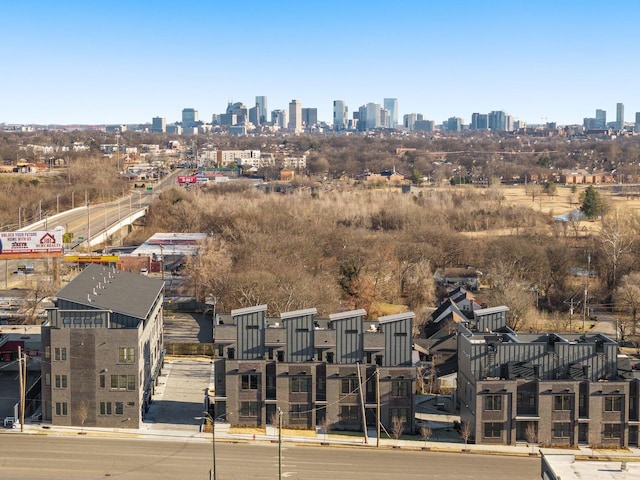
[
  {"x": 397, "y": 427},
  {"x": 466, "y": 431},
  {"x": 425, "y": 433}
]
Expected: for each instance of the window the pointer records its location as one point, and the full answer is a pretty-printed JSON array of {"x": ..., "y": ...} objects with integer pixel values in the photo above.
[
  {"x": 299, "y": 384},
  {"x": 349, "y": 385},
  {"x": 379, "y": 360},
  {"x": 349, "y": 413},
  {"x": 399, "y": 388},
  {"x": 102, "y": 381},
  {"x": 321, "y": 383},
  {"x": 61, "y": 381},
  {"x": 280, "y": 356},
  {"x": 60, "y": 353},
  {"x": 105, "y": 408},
  {"x": 492, "y": 430},
  {"x": 493, "y": 402},
  {"x": 613, "y": 403},
  {"x": 231, "y": 353},
  {"x": 299, "y": 411},
  {"x": 330, "y": 357},
  {"x": 398, "y": 415},
  {"x": 220, "y": 350},
  {"x": 126, "y": 355},
  {"x": 61, "y": 408},
  {"x": 611, "y": 430},
  {"x": 47, "y": 379},
  {"x": 250, "y": 382},
  {"x": 119, "y": 408},
  {"x": 123, "y": 382},
  {"x": 47, "y": 352},
  {"x": 248, "y": 409},
  {"x": 369, "y": 357},
  {"x": 270, "y": 353},
  {"x": 562, "y": 402},
  {"x": 562, "y": 430}
]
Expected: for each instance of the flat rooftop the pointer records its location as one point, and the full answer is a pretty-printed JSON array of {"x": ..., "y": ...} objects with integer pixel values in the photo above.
[{"x": 567, "y": 467}]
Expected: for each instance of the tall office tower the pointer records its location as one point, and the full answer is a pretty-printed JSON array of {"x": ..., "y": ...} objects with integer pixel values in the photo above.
[
  {"x": 479, "y": 121},
  {"x": 295, "y": 116},
  {"x": 619, "y": 116},
  {"x": 309, "y": 117},
  {"x": 254, "y": 115},
  {"x": 279, "y": 118},
  {"x": 391, "y": 104},
  {"x": 409, "y": 119},
  {"x": 424, "y": 126},
  {"x": 385, "y": 118},
  {"x": 158, "y": 125},
  {"x": 240, "y": 110},
  {"x": 189, "y": 117},
  {"x": 261, "y": 102},
  {"x": 454, "y": 124},
  {"x": 601, "y": 119},
  {"x": 372, "y": 112},
  {"x": 340, "y": 115},
  {"x": 508, "y": 123},
  {"x": 497, "y": 121}
]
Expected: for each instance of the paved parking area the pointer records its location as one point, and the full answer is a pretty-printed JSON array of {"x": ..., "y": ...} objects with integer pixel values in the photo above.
[{"x": 179, "y": 396}]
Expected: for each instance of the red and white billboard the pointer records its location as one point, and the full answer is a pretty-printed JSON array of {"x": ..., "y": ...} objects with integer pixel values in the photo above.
[
  {"x": 41, "y": 242},
  {"x": 187, "y": 179}
]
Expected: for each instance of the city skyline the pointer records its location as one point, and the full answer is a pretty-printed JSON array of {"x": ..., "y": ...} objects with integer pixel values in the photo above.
[{"x": 127, "y": 62}]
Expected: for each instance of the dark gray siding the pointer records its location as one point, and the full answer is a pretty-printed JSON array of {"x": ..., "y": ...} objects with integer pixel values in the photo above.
[
  {"x": 348, "y": 339},
  {"x": 397, "y": 342},
  {"x": 299, "y": 330},
  {"x": 250, "y": 324}
]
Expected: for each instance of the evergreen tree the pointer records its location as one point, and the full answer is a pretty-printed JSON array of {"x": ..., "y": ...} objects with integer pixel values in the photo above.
[{"x": 593, "y": 205}]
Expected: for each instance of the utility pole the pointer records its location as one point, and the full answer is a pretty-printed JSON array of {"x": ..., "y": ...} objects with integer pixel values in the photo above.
[
  {"x": 22, "y": 373},
  {"x": 279, "y": 443},
  {"x": 364, "y": 411},
  {"x": 377, "y": 406},
  {"x": 586, "y": 292}
]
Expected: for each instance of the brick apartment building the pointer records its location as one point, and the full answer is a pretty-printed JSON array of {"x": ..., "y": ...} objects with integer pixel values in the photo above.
[
  {"x": 312, "y": 369},
  {"x": 103, "y": 349},
  {"x": 551, "y": 388}
]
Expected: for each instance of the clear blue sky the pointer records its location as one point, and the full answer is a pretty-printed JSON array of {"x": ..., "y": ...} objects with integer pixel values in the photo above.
[{"x": 127, "y": 61}]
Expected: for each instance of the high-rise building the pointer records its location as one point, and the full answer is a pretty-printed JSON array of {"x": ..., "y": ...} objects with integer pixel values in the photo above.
[
  {"x": 423, "y": 126},
  {"x": 454, "y": 124},
  {"x": 619, "y": 116},
  {"x": 295, "y": 116},
  {"x": 158, "y": 125},
  {"x": 279, "y": 118},
  {"x": 601, "y": 119},
  {"x": 340, "y": 115},
  {"x": 240, "y": 110},
  {"x": 189, "y": 117},
  {"x": 309, "y": 117},
  {"x": 409, "y": 119},
  {"x": 498, "y": 121},
  {"x": 254, "y": 115},
  {"x": 391, "y": 104},
  {"x": 479, "y": 121},
  {"x": 372, "y": 116},
  {"x": 261, "y": 101}
]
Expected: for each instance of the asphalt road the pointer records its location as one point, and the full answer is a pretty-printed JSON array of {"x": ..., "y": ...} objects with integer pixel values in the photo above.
[{"x": 47, "y": 457}]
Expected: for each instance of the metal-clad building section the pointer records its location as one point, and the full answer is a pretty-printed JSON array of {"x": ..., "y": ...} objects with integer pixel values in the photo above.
[
  {"x": 491, "y": 319},
  {"x": 299, "y": 327},
  {"x": 397, "y": 338},
  {"x": 348, "y": 327},
  {"x": 250, "y": 324}
]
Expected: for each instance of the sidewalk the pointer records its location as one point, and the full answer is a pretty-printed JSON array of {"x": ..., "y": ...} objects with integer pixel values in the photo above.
[{"x": 223, "y": 435}]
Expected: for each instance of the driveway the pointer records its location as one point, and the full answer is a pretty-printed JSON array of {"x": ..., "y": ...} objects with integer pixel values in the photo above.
[{"x": 179, "y": 396}]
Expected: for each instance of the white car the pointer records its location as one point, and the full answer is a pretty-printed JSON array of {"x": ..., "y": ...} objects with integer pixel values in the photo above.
[{"x": 10, "y": 422}]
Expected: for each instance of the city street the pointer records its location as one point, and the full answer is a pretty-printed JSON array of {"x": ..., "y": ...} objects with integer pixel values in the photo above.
[{"x": 46, "y": 457}]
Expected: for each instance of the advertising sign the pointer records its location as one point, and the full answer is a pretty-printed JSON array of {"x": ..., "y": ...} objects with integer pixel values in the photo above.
[
  {"x": 187, "y": 179},
  {"x": 41, "y": 242}
]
